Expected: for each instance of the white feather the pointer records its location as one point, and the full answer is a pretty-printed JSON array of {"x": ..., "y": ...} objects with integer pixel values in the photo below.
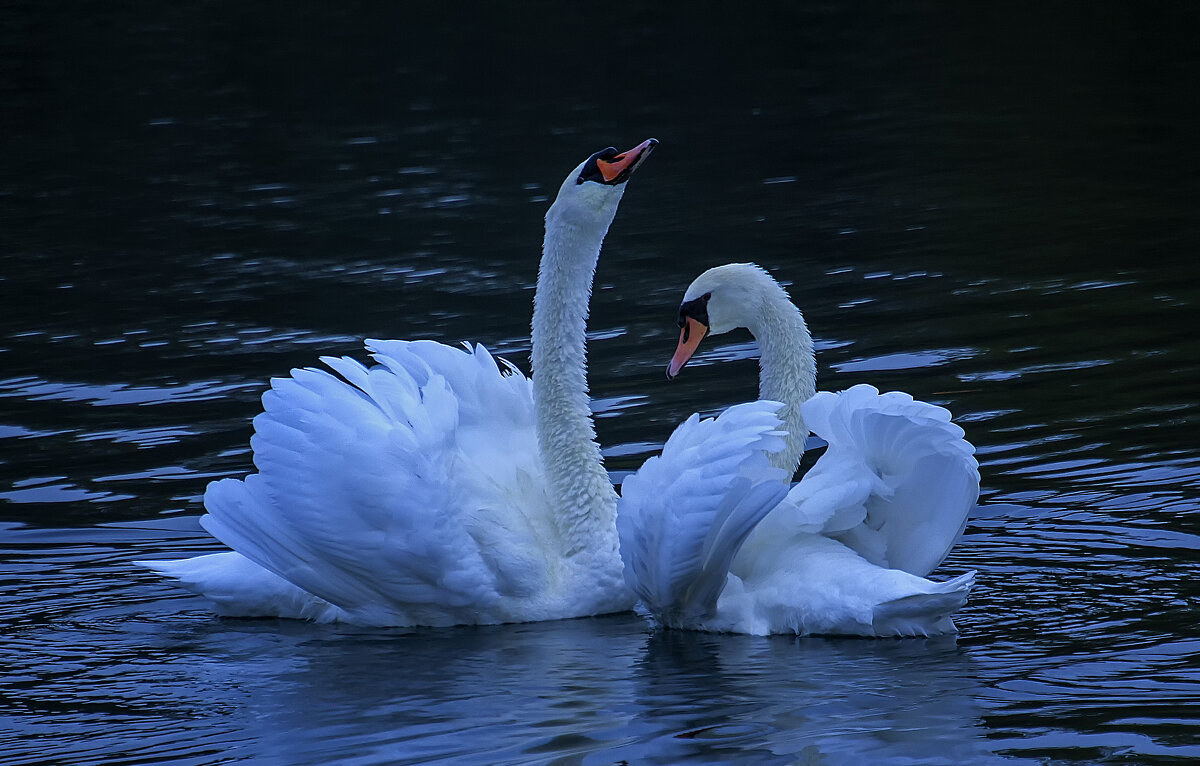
[
  {"x": 684, "y": 515},
  {"x": 390, "y": 502}
]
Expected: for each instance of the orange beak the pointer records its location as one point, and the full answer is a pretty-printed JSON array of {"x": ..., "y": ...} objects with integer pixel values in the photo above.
[
  {"x": 613, "y": 168},
  {"x": 689, "y": 340}
]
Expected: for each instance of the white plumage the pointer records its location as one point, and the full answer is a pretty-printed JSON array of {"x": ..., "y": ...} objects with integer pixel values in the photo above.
[
  {"x": 685, "y": 514},
  {"x": 844, "y": 551},
  {"x": 435, "y": 487}
]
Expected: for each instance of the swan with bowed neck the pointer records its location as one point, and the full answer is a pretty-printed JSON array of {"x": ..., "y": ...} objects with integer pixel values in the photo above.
[
  {"x": 435, "y": 487},
  {"x": 843, "y": 552}
]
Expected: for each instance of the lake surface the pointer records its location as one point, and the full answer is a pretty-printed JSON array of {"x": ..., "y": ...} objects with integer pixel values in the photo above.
[{"x": 993, "y": 210}]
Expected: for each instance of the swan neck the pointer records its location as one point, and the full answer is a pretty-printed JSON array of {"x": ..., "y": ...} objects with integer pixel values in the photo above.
[
  {"x": 585, "y": 500},
  {"x": 787, "y": 369}
]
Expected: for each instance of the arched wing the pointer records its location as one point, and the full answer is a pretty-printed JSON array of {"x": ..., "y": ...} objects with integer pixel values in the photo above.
[
  {"x": 387, "y": 490},
  {"x": 896, "y": 483},
  {"x": 683, "y": 516}
]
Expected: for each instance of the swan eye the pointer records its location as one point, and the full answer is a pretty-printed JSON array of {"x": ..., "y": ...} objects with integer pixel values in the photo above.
[
  {"x": 592, "y": 171},
  {"x": 697, "y": 309}
]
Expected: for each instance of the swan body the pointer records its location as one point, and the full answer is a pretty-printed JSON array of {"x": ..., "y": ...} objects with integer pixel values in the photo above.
[
  {"x": 436, "y": 486},
  {"x": 843, "y": 552}
]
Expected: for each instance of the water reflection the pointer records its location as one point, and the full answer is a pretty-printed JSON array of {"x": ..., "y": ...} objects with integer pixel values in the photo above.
[
  {"x": 820, "y": 701},
  {"x": 517, "y": 693},
  {"x": 141, "y": 662}
]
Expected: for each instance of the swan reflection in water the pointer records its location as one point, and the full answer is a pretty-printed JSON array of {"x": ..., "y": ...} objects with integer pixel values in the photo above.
[
  {"x": 577, "y": 687},
  {"x": 812, "y": 698}
]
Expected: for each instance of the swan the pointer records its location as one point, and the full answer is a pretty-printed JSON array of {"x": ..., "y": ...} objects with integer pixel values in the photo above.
[
  {"x": 843, "y": 552},
  {"x": 436, "y": 487}
]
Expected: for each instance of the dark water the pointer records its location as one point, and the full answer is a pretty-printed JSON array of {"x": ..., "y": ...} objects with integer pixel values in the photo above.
[{"x": 992, "y": 210}]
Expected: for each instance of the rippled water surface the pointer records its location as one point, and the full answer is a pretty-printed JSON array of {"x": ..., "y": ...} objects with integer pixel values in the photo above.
[{"x": 994, "y": 211}]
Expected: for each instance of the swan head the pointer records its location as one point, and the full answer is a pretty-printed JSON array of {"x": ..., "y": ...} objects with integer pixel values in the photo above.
[
  {"x": 593, "y": 189},
  {"x": 721, "y": 299}
]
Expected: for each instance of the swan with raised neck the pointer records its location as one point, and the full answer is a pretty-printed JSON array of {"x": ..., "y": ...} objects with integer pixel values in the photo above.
[
  {"x": 380, "y": 498},
  {"x": 737, "y": 295},
  {"x": 575, "y": 227}
]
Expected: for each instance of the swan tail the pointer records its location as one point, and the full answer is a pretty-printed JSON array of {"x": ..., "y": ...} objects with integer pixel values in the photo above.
[
  {"x": 238, "y": 587},
  {"x": 897, "y": 481},
  {"x": 924, "y": 614},
  {"x": 685, "y": 514}
]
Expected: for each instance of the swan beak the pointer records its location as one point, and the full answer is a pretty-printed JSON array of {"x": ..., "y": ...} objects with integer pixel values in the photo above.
[
  {"x": 619, "y": 168},
  {"x": 689, "y": 340}
]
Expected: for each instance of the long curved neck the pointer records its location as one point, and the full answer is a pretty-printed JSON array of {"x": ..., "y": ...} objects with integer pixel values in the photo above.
[
  {"x": 787, "y": 369},
  {"x": 582, "y": 491}
]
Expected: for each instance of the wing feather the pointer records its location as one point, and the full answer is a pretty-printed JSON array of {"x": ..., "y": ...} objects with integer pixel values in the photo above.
[
  {"x": 685, "y": 514},
  {"x": 896, "y": 483},
  {"x": 386, "y": 489}
]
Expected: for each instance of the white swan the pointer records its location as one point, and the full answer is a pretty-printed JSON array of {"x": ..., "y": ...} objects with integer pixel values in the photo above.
[
  {"x": 846, "y": 551},
  {"x": 436, "y": 487}
]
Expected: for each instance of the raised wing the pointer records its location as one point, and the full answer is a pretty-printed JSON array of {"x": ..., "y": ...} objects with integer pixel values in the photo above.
[
  {"x": 387, "y": 491},
  {"x": 685, "y": 514},
  {"x": 896, "y": 483}
]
